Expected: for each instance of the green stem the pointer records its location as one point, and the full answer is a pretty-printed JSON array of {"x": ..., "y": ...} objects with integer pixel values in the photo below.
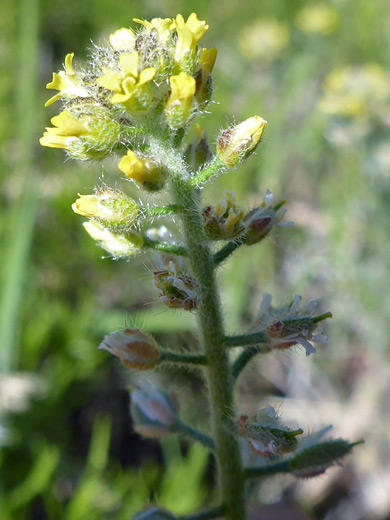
[
  {"x": 244, "y": 358},
  {"x": 269, "y": 469},
  {"x": 160, "y": 211},
  {"x": 164, "y": 247},
  {"x": 214, "y": 167},
  {"x": 215, "y": 512},
  {"x": 226, "y": 251},
  {"x": 246, "y": 339},
  {"x": 192, "y": 433},
  {"x": 220, "y": 383},
  {"x": 184, "y": 359}
]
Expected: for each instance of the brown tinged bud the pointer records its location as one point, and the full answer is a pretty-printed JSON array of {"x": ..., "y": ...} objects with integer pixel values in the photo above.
[
  {"x": 237, "y": 143},
  {"x": 260, "y": 221},
  {"x": 136, "y": 349}
]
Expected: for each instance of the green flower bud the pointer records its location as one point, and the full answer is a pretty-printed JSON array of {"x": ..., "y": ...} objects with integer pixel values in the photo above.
[
  {"x": 198, "y": 152},
  {"x": 236, "y": 144}
]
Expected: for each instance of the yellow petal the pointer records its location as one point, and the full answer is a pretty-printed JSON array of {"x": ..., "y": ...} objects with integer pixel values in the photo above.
[
  {"x": 147, "y": 75},
  {"x": 129, "y": 63},
  {"x": 183, "y": 87},
  {"x": 110, "y": 81},
  {"x": 68, "y": 125},
  {"x": 68, "y": 64},
  {"x": 207, "y": 59},
  {"x": 122, "y": 39}
]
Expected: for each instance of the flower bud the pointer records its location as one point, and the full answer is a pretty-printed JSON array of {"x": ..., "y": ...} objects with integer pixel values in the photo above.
[
  {"x": 224, "y": 221},
  {"x": 260, "y": 221},
  {"x": 198, "y": 151},
  {"x": 110, "y": 207},
  {"x": 119, "y": 245},
  {"x": 236, "y": 144},
  {"x": 153, "y": 411},
  {"x": 134, "y": 348},
  {"x": 147, "y": 173},
  {"x": 266, "y": 435},
  {"x": 176, "y": 290},
  {"x": 179, "y": 106},
  {"x": 204, "y": 84},
  {"x": 291, "y": 325}
]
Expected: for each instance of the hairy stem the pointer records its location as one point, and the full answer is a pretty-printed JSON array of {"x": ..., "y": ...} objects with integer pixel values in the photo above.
[
  {"x": 220, "y": 383},
  {"x": 164, "y": 247},
  {"x": 183, "y": 359},
  {"x": 243, "y": 359}
]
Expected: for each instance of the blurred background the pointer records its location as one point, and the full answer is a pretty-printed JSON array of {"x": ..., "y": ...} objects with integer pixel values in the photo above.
[{"x": 319, "y": 73}]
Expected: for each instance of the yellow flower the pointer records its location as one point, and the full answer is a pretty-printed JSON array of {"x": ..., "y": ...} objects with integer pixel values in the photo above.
[
  {"x": 66, "y": 82},
  {"x": 236, "y": 144},
  {"x": 163, "y": 26},
  {"x": 265, "y": 39},
  {"x": 111, "y": 208},
  {"x": 189, "y": 33},
  {"x": 147, "y": 173},
  {"x": 122, "y": 39},
  {"x": 118, "y": 245},
  {"x": 130, "y": 86},
  {"x": 87, "y": 133},
  {"x": 320, "y": 18},
  {"x": 67, "y": 129},
  {"x": 179, "y": 105}
]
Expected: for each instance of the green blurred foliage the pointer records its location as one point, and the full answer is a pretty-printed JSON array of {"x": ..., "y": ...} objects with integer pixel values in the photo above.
[{"x": 70, "y": 452}]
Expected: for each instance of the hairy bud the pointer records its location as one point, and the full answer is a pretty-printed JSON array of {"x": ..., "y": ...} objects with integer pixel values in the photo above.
[
  {"x": 266, "y": 435},
  {"x": 144, "y": 171},
  {"x": 136, "y": 349},
  {"x": 237, "y": 143},
  {"x": 111, "y": 208},
  {"x": 179, "y": 107},
  {"x": 153, "y": 411},
  {"x": 119, "y": 245}
]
